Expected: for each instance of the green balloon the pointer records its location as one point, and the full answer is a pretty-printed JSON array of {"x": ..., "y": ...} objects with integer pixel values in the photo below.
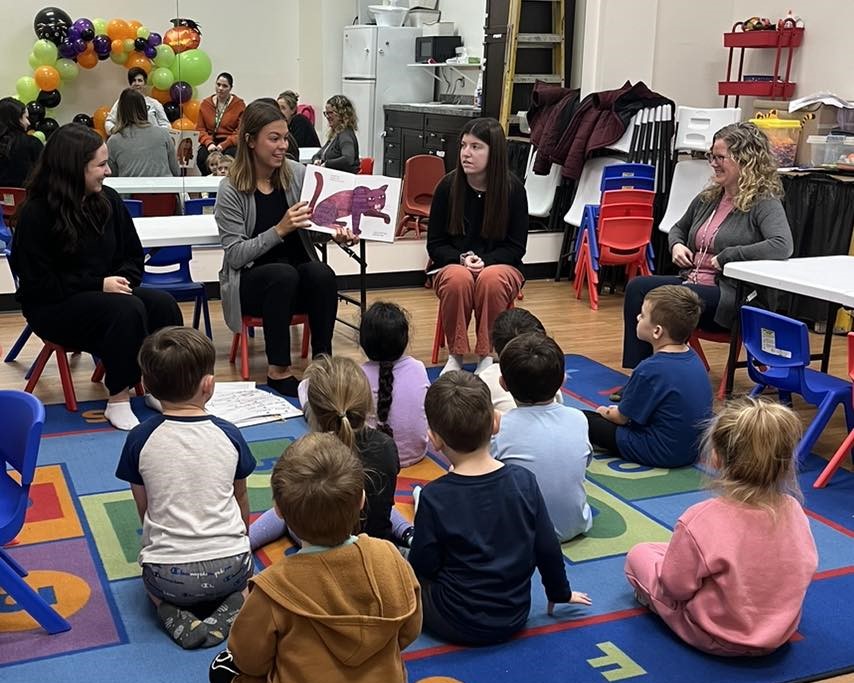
[
  {"x": 194, "y": 67},
  {"x": 38, "y": 134},
  {"x": 143, "y": 32},
  {"x": 119, "y": 57},
  {"x": 45, "y": 52},
  {"x": 34, "y": 61},
  {"x": 27, "y": 89},
  {"x": 161, "y": 78},
  {"x": 100, "y": 26},
  {"x": 165, "y": 56},
  {"x": 67, "y": 69}
]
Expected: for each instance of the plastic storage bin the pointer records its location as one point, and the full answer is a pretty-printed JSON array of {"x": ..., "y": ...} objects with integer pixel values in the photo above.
[
  {"x": 830, "y": 149},
  {"x": 783, "y": 135}
]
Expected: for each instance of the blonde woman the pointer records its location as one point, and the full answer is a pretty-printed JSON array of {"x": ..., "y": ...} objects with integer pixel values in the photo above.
[
  {"x": 300, "y": 127},
  {"x": 738, "y": 217},
  {"x": 341, "y": 150}
]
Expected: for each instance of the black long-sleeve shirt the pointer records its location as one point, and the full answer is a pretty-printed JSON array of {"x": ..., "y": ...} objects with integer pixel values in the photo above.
[
  {"x": 303, "y": 132},
  {"x": 49, "y": 275},
  {"x": 15, "y": 166},
  {"x": 478, "y": 540},
  {"x": 445, "y": 249}
]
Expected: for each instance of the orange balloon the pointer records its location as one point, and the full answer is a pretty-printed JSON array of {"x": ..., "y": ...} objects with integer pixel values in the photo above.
[
  {"x": 190, "y": 110},
  {"x": 47, "y": 78},
  {"x": 87, "y": 60},
  {"x": 134, "y": 25},
  {"x": 140, "y": 60},
  {"x": 161, "y": 96},
  {"x": 117, "y": 46},
  {"x": 99, "y": 117},
  {"x": 183, "y": 124},
  {"x": 118, "y": 29}
]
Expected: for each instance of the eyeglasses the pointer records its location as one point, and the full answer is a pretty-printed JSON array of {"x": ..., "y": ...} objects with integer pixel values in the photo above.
[
  {"x": 328, "y": 114},
  {"x": 715, "y": 158}
]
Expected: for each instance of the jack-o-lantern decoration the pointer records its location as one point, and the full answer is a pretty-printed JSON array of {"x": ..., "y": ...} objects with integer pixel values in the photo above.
[{"x": 185, "y": 35}]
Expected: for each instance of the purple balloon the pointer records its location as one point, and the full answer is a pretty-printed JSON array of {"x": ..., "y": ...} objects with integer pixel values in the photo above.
[
  {"x": 150, "y": 52},
  {"x": 154, "y": 39},
  {"x": 73, "y": 34},
  {"x": 102, "y": 45},
  {"x": 79, "y": 45},
  {"x": 67, "y": 50},
  {"x": 181, "y": 91},
  {"x": 85, "y": 27}
]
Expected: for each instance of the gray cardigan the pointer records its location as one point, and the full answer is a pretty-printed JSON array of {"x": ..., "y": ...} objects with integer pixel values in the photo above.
[
  {"x": 235, "y": 219},
  {"x": 341, "y": 153},
  {"x": 761, "y": 233}
]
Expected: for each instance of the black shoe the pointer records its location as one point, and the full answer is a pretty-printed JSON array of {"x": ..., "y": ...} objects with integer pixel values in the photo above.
[
  {"x": 616, "y": 397},
  {"x": 285, "y": 387},
  {"x": 406, "y": 538}
]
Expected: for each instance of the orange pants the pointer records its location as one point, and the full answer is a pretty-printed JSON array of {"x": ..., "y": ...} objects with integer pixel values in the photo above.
[{"x": 487, "y": 295}]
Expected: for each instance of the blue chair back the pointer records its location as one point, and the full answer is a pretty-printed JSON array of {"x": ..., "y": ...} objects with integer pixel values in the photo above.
[
  {"x": 163, "y": 258},
  {"x": 775, "y": 340},
  {"x": 134, "y": 207},
  {"x": 628, "y": 171},
  {"x": 196, "y": 207},
  {"x": 21, "y": 422},
  {"x": 631, "y": 181}
]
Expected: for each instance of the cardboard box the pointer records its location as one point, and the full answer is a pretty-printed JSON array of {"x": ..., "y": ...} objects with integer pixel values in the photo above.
[{"x": 817, "y": 119}]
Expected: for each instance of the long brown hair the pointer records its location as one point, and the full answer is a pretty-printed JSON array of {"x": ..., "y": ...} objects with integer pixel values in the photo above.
[
  {"x": 242, "y": 171},
  {"x": 131, "y": 111},
  {"x": 496, "y": 213},
  {"x": 339, "y": 397}
]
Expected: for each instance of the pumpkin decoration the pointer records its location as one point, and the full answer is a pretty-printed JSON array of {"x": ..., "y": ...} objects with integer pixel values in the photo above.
[{"x": 184, "y": 35}]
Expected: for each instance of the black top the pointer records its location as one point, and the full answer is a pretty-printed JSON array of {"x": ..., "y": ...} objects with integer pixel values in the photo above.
[
  {"x": 16, "y": 164},
  {"x": 445, "y": 249},
  {"x": 378, "y": 454},
  {"x": 478, "y": 540},
  {"x": 269, "y": 209},
  {"x": 49, "y": 275},
  {"x": 303, "y": 132}
]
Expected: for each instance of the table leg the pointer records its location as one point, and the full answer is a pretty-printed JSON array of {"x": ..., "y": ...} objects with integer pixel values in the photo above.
[
  {"x": 363, "y": 275},
  {"x": 732, "y": 359},
  {"x": 832, "y": 310}
]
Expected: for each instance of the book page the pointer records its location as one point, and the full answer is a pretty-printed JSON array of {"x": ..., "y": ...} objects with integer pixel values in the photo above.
[
  {"x": 367, "y": 204},
  {"x": 243, "y": 405}
]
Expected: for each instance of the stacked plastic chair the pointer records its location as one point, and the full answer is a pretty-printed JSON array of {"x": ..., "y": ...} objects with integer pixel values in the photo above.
[{"x": 846, "y": 446}]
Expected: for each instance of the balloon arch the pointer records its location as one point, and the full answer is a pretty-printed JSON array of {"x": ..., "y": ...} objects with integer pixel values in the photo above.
[{"x": 173, "y": 61}]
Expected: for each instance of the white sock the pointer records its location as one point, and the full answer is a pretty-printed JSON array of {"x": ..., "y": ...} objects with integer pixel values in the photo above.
[
  {"x": 152, "y": 402},
  {"x": 482, "y": 364},
  {"x": 416, "y": 496},
  {"x": 455, "y": 362},
  {"x": 120, "y": 415}
]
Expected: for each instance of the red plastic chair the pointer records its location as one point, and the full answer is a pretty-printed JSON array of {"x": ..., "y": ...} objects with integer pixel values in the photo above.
[
  {"x": 241, "y": 340},
  {"x": 421, "y": 175},
  {"x": 157, "y": 204},
  {"x": 847, "y": 444},
  {"x": 10, "y": 199},
  {"x": 719, "y": 338},
  {"x": 366, "y": 166}
]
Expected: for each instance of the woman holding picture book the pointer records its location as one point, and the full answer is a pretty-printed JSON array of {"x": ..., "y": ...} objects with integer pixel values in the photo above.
[{"x": 270, "y": 267}]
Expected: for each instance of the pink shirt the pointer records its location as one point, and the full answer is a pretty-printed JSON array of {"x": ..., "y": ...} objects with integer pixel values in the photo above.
[
  {"x": 704, "y": 272},
  {"x": 741, "y": 572}
]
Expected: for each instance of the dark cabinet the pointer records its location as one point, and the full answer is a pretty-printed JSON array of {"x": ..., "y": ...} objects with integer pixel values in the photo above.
[{"x": 410, "y": 133}]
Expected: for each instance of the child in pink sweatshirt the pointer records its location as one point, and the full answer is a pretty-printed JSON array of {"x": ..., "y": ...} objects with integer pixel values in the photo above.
[{"x": 733, "y": 578}]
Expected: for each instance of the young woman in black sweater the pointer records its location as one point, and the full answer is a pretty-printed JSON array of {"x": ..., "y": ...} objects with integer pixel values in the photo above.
[{"x": 19, "y": 152}]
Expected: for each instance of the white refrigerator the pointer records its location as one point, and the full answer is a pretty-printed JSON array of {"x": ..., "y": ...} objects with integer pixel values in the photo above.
[{"x": 375, "y": 74}]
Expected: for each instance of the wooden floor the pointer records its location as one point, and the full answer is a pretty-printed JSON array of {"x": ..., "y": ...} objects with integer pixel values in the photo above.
[{"x": 595, "y": 334}]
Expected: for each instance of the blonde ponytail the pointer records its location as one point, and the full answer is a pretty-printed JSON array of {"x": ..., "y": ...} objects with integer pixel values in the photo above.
[{"x": 339, "y": 398}]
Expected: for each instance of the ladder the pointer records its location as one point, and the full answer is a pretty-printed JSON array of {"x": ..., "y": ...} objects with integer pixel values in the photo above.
[{"x": 517, "y": 40}]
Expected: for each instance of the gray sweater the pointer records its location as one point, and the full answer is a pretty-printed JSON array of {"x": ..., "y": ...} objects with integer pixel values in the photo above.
[
  {"x": 142, "y": 152},
  {"x": 235, "y": 219},
  {"x": 341, "y": 152},
  {"x": 761, "y": 233}
]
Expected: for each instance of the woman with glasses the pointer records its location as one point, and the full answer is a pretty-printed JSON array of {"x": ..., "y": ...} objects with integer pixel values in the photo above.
[
  {"x": 341, "y": 150},
  {"x": 738, "y": 217}
]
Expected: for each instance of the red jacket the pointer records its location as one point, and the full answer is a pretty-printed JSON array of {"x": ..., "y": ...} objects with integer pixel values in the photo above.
[
  {"x": 228, "y": 125},
  {"x": 552, "y": 107}
]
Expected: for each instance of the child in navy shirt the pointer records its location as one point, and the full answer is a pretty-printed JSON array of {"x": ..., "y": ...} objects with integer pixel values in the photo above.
[
  {"x": 481, "y": 529},
  {"x": 668, "y": 398}
]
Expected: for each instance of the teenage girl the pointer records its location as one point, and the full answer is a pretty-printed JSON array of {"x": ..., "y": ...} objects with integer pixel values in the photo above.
[
  {"x": 339, "y": 400},
  {"x": 733, "y": 578},
  {"x": 399, "y": 382}
]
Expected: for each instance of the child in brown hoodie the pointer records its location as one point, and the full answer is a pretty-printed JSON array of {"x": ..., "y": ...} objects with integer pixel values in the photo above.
[{"x": 342, "y": 608}]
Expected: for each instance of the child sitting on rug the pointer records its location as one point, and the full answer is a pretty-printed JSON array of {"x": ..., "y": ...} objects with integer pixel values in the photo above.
[
  {"x": 399, "y": 382},
  {"x": 481, "y": 529},
  {"x": 343, "y": 607},
  {"x": 338, "y": 400},
  {"x": 733, "y": 578},
  {"x": 668, "y": 397},
  {"x": 542, "y": 436},
  {"x": 508, "y": 325},
  {"x": 187, "y": 472}
]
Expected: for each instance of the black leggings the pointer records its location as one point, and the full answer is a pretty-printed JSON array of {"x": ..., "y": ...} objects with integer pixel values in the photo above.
[
  {"x": 602, "y": 433},
  {"x": 275, "y": 291},
  {"x": 109, "y": 326}
]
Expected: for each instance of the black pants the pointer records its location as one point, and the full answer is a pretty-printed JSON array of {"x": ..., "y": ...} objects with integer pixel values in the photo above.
[
  {"x": 202, "y": 157},
  {"x": 223, "y": 669},
  {"x": 602, "y": 433},
  {"x": 635, "y": 350},
  {"x": 109, "y": 326},
  {"x": 275, "y": 291}
]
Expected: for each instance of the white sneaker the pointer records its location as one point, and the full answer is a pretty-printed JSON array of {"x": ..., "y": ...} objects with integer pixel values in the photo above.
[
  {"x": 120, "y": 415},
  {"x": 454, "y": 362},
  {"x": 482, "y": 364},
  {"x": 152, "y": 402},
  {"x": 416, "y": 496}
]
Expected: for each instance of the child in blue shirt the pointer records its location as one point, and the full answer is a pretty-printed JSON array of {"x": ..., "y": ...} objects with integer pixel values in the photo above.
[{"x": 668, "y": 397}]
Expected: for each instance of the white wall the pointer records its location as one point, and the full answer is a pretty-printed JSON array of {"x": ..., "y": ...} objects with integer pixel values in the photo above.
[{"x": 469, "y": 16}]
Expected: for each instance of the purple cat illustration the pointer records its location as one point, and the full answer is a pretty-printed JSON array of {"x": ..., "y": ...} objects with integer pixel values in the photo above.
[{"x": 358, "y": 202}]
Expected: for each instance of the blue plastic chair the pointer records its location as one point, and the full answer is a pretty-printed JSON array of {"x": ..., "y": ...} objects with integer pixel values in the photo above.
[
  {"x": 134, "y": 207},
  {"x": 178, "y": 281},
  {"x": 778, "y": 353},
  {"x": 196, "y": 207},
  {"x": 21, "y": 421}
]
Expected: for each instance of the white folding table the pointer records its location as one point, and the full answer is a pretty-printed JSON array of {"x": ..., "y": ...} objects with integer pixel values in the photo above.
[{"x": 166, "y": 184}]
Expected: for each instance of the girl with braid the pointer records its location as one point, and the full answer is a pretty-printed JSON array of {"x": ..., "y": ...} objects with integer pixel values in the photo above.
[{"x": 398, "y": 381}]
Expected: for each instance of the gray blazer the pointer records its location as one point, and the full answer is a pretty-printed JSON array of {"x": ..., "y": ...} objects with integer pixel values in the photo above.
[
  {"x": 235, "y": 219},
  {"x": 761, "y": 233},
  {"x": 341, "y": 153}
]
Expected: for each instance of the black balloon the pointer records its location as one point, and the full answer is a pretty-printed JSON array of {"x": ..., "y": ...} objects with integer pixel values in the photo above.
[
  {"x": 103, "y": 57},
  {"x": 173, "y": 111},
  {"x": 52, "y": 23},
  {"x": 47, "y": 126},
  {"x": 85, "y": 120},
  {"x": 140, "y": 44},
  {"x": 49, "y": 98},
  {"x": 36, "y": 112}
]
